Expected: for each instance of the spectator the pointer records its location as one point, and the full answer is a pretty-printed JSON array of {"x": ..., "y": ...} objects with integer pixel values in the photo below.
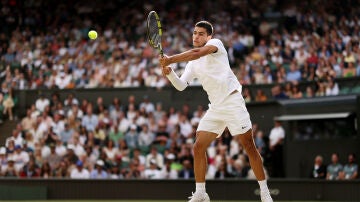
[
  {"x": 185, "y": 126},
  {"x": 296, "y": 93},
  {"x": 115, "y": 135},
  {"x": 53, "y": 159},
  {"x": 71, "y": 100},
  {"x": 294, "y": 74},
  {"x": 8, "y": 104},
  {"x": 350, "y": 71},
  {"x": 260, "y": 96},
  {"x": 309, "y": 93},
  {"x": 99, "y": 134},
  {"x": 260, "y": 142},
  {"x": 123, "y": 123},
  {"x": 110, "y": 150},
  {"x": 140, "y": 157},
  {"x": 79, "y": 172},
  {"x": 20, "y": 157},
  {"x": 147, "y": 105},
  {"x": 70, "y": 154},
  {"x": 334, "y": 169},
  {"x": 159, "y": 113},
  {"x": 146, "y": 137},
  {"x": 16, "y": 138},
  {"x": 60, "y": 149},
  {"x": 27, "y": 122},
  {"x": 29, "y": 170},
  {"x": 131, "y": 137},
  {"x": 134, "y": 172},
  {"x": 66, "y": 134},
  {"x": 90, "y": 120},
  {"x": 10, "y": 170},
  {"x": 278, "y": 93},
  {"x": 301, "y": 56},
  {"x": 238, "y": 168},
  {"x": 332, "y": 88},
  {"x": 154, "y": 154},
  {"x": 288, "y": 89},
  {"x": 169, "y": 170},
  {"x": 187, "y": 171},
  {"x": 350, "y": 171},
  {"x": 90, "y": 156},
  {"x": 321, "y": 89},
  {"x": 152, "y": 172},
  {"x": 161, "y": 132},
  {"x": 41, "y": 102},
  {"x": 99, "y": 172},
  {"x": 276, "y": 142},
  {"x": 115, "y": 172},
  {"x": 62, "y": 170},
  {"x": 319, "y": 169},
  {"x": 222, "y": 171},
  {"x": 46, "y": 170},
  {"x": 247, "y": 95}
]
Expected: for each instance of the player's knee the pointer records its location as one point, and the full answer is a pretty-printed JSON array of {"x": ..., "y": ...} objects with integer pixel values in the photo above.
[
  {"x": 249, "y": 145},
  {"x": 199, "y": 149}
]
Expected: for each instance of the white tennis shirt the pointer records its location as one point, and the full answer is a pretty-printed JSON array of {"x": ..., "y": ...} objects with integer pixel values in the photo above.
[{"x": 213, "y": 72}]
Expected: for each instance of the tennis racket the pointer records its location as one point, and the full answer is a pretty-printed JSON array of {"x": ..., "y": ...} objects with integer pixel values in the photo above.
[{"x": 154, "y": 31}]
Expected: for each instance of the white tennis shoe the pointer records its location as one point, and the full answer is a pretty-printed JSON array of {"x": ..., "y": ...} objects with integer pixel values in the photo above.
[
  {"x": 265, "y": 196},
  {"x": 199, "y": 197}
]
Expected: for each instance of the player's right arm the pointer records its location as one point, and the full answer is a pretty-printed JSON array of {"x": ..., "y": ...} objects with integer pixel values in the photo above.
[
  {"x": 189, "y": 55},
  {"x": 179, "y": 83}
]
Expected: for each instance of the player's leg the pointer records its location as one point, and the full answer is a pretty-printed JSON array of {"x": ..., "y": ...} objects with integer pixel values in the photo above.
[
  {"x": 239, "y": 123},
  {"x": 255, "y": 159},
  {"x": 203, "y": 140},
  {"x": 256, "y": 164},
  {"x": 210, "y": 126}
]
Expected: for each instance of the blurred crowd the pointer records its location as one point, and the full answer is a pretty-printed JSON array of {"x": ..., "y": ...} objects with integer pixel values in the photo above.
[
  {"x": 269, "y": 42},
  {"x": 74, "y": 138}
]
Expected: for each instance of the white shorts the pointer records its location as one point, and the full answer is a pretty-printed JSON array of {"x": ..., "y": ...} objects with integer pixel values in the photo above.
[{"x": 231, "y": 113}]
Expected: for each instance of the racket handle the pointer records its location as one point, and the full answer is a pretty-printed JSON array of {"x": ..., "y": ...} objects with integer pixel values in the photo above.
[{"x": 161, "y": 50}]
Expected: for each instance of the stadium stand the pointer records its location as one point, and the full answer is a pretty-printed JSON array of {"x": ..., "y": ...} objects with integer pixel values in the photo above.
[{"x": 302, "y": 49}]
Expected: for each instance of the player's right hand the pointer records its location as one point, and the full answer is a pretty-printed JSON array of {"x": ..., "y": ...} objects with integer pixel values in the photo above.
[
  {"x": 164, "y": 60},
  {"x": 165, "y": 70}
]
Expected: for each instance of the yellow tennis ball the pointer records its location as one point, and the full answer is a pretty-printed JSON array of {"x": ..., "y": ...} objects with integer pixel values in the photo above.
[{"x": 92, "y": 34}]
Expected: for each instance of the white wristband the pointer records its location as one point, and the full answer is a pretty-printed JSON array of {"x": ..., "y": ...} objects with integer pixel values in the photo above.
[{"x": 176, "y": 81}]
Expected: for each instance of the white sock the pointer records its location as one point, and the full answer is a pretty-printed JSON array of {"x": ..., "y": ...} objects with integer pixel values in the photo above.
[
  {"x": 200, "y": 188},
  {"x": 263, "y": 185}
]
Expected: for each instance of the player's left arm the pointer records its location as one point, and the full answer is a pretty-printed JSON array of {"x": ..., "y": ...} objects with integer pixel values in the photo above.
[{"x": 189, "y": 55}]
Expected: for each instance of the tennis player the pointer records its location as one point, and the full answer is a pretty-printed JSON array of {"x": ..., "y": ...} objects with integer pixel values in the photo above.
[{"x": 208, "y": 62}]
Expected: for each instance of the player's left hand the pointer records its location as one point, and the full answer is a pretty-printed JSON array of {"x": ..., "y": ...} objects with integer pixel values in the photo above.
[{"x": 164, "y": 60}]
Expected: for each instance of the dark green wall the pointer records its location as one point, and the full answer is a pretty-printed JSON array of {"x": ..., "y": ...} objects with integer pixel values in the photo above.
[{"x": 281, "y": 190}]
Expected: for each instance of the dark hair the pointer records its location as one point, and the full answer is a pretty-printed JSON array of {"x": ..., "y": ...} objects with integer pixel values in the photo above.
[{"x": 206, "y": 25}]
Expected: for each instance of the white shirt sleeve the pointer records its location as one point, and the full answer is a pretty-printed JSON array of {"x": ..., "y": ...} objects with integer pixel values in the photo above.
[
  {"x": 181, "y": 83},
  {"x": 217, "y": 43}
]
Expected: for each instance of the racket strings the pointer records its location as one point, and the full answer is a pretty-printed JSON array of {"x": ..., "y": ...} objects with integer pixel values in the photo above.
[{"x": 153, "y": 29}]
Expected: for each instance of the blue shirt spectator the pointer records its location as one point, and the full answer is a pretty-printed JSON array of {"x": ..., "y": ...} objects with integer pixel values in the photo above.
[
  {"x": 294, "y": 74},
  {"x": 66, "y": 134},
  {"x": 90, "y": 121},
  {"x": 99, "y": 172},
  {"x": 131, "y": 137}
]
